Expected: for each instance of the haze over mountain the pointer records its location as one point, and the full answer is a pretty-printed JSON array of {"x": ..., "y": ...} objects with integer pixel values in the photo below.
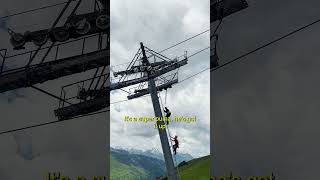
[{"x": 154, "y": 153}]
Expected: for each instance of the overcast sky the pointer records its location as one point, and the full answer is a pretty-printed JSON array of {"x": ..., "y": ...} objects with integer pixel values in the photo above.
[
  {"x": 77, "y": 147},
  {"x": 265, "y": 108},
  {"x": 160, "y": 24}
]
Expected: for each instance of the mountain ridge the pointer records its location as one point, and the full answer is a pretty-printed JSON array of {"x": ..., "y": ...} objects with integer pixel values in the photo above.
[{"x": 155, "y": 153}]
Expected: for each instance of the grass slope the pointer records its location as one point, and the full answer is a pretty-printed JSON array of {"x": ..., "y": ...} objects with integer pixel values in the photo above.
[{"x": 196, "y": 169}]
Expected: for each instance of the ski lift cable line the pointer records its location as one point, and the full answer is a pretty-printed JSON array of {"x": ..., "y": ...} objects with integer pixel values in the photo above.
[
  {"x": 214, "y": 69},
  {"x": 267, "y": 44},
  {"x": 193, "y": 75},
  {"x": 255, "y": 50},
  {"x": 116, "y": 102},
  {"x": 248, "y": 53},
  {"x": 47, "y": 123},
  {"x": 197, "y": 52},
  {"x": 32, "y": 10},
  {"x": 181, "y": 42}
]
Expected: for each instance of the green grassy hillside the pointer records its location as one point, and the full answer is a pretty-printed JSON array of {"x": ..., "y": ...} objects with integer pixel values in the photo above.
[
  {"x": 196, "y": 169},
  {"x": 125, "y": 166}
]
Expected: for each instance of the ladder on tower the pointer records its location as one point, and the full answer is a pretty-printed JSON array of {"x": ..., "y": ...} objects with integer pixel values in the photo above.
[{"x": 153, "y": 75}]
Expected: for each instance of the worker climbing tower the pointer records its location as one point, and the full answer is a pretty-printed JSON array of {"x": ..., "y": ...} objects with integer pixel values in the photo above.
[{"x": 154, "y": 75}]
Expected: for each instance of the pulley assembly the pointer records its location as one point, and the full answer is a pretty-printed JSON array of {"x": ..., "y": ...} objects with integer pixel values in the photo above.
[{"x": 75, "y": 26}]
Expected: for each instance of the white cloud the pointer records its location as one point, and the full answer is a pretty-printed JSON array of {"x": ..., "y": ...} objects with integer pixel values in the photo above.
[
  {"x": 160, "y": 24},
  {"x": 71, "y": 146}
]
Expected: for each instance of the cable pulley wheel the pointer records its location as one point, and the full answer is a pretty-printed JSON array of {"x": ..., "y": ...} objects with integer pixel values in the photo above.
[
  {"x": 142, "y": 68},
  {"x": 83, "y": 27},
  {"x": 136, "y": 70},
  {"x": 17, "y": 40},
  {"x": 61, "y": 34},
  {"x": 40, "y": 39},
  {"x": 102, "y": 22}
]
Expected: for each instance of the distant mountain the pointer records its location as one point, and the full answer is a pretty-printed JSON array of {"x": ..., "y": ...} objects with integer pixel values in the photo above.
[
  {"x": 133, "y": 164},
  {"x": 125, "y": 165},
  {"x": 155, "y": 153}
]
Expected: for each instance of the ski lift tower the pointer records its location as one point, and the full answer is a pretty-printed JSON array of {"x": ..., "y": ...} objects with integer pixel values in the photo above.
[
  {"x": 43, "y": 63},
  {"x": 152, "y": 73},
  {"x": 92, "y": 95}
]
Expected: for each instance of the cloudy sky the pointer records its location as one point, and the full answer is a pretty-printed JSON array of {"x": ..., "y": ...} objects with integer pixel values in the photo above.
[
  {"x": 265, "y": 108},
  {"x": 75, "y": 147},
  {"x": 160, "y": 24}
]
